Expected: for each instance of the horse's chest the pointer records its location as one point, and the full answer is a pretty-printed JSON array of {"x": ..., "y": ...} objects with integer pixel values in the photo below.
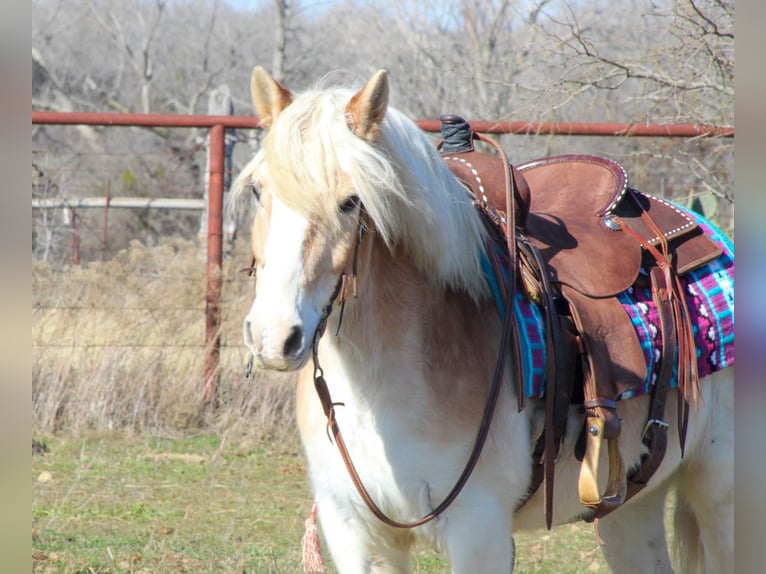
[
  {"x": 371, "y": 449},
  {"x": 396, "y": 468}
]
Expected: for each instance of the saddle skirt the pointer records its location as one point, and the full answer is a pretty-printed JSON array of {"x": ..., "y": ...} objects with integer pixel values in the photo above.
[{"x": 709, "y": 292}]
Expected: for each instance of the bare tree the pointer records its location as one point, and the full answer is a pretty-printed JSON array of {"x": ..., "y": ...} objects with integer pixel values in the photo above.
[
  {"x": 280, "y": 40},
  {"x": 48, "y": 92},
  {"x": 672, "y": 61},
  {"x": 141, "y": 59},
  {"x": 675, "y": 63},
  {"x": 677, "y": 56}
]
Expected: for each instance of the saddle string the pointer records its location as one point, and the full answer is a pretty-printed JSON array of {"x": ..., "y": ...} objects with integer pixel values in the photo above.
[
  {"x": 687, "y": 363},
  {"x": 687, "y": 372}
]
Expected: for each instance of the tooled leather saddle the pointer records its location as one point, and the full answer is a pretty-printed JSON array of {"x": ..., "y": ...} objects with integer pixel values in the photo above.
[{"x": 582, "y": 237}]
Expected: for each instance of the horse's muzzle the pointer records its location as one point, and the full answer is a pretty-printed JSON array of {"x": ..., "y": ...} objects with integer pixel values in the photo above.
[{"x": 277, "y": 348}]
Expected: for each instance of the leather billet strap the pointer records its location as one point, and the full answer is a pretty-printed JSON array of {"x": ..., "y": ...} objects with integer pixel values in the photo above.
[
  {"x": 677, "y": 313},
  {"x": 655, "y": 431},
  {"x": 560, "y": 345}
]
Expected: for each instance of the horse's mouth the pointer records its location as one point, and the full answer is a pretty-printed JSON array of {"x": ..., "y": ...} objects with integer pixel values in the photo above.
[
  {"x": 285, "y": 365},
  {"x": 275, "y": 349}
]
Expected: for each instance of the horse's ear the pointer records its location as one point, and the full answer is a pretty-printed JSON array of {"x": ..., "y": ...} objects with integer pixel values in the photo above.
[
  {"x": 269, "y": 96},
  {"x": 367, "y": 108}
]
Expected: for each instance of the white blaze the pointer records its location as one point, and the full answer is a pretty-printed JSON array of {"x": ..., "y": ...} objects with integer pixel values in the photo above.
[{"x": 281, "y": 303}]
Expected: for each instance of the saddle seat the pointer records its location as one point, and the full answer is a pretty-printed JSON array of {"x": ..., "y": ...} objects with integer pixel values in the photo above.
[
  {"x": 585, "y": 237},
  {"x": 573, "y": 217}
]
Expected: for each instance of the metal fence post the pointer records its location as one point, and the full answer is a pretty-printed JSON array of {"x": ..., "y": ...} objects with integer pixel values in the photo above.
[{"x": 214, "y": 261}]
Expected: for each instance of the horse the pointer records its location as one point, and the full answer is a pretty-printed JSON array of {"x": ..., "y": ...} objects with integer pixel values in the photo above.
[{"x": 355, "y": 208}]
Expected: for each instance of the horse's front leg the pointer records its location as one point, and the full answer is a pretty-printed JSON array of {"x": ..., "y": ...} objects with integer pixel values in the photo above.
[
  {"x": 478, "y": 537},
  {"x": 359, "y": 548},
  {"x": 346, "y": 540}
]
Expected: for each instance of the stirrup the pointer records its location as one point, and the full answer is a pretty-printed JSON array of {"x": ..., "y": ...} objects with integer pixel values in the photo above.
[{"x": 616, "y": 488}]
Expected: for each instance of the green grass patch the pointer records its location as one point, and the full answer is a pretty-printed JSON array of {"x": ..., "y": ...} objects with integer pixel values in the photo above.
[{"x": 117, "y": 503}]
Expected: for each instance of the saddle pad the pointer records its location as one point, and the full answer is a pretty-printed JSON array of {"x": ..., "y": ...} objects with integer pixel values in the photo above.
[
  {"x": 709, "y": 294},
  {"x": 709, "y": 297}
]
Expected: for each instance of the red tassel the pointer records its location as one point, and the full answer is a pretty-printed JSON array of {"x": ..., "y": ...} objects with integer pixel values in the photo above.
[{"x": 312, "y": 553}]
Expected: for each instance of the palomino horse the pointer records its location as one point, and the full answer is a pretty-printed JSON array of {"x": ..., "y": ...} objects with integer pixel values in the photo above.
[{"x": 352, "y": 197}]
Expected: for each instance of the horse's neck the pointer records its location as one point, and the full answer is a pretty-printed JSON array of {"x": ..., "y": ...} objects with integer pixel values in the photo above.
[
  {"x": 391, "y": 296},
  {"x": 402, "y": 336}
]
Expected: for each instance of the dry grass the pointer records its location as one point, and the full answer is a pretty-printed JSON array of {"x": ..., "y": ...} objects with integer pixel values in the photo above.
[{"x": 120, "y": 345}]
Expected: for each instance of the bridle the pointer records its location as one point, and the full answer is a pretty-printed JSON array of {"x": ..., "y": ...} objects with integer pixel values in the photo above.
[
  {"x": 328, "y": 405},
  {"x": 340, "y": 293}
]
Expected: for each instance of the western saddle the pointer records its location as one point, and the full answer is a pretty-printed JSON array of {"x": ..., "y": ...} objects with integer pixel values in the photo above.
[{"x": 577, "y": 237}]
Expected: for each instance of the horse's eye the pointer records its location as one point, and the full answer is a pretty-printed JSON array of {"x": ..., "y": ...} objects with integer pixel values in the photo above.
[{"x": 350, "y": 204}]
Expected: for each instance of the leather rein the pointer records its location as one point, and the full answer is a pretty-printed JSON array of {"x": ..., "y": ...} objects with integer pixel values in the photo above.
[{"x": 328, "y": 405}]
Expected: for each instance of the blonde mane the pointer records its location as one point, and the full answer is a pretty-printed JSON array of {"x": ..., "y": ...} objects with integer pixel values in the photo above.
[{"x": 314, "y": 161}]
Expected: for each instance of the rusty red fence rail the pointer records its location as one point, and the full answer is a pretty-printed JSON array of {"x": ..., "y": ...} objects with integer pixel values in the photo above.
[
  {"x": 500, "y": 127},
  {"x": 217, "y": 126}
]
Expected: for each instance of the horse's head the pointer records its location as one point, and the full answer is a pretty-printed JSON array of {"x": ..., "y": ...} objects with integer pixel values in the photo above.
[
  {"x": 308, "y": 208},
  {"x": 334, "y": 161}
]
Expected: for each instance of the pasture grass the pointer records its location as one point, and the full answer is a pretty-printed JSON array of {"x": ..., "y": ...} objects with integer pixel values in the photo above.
[{"x": 114, "y": 503}]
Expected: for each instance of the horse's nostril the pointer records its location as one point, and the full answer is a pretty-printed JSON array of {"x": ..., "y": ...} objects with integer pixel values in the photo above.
[{"x": 294, "y": 340}]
